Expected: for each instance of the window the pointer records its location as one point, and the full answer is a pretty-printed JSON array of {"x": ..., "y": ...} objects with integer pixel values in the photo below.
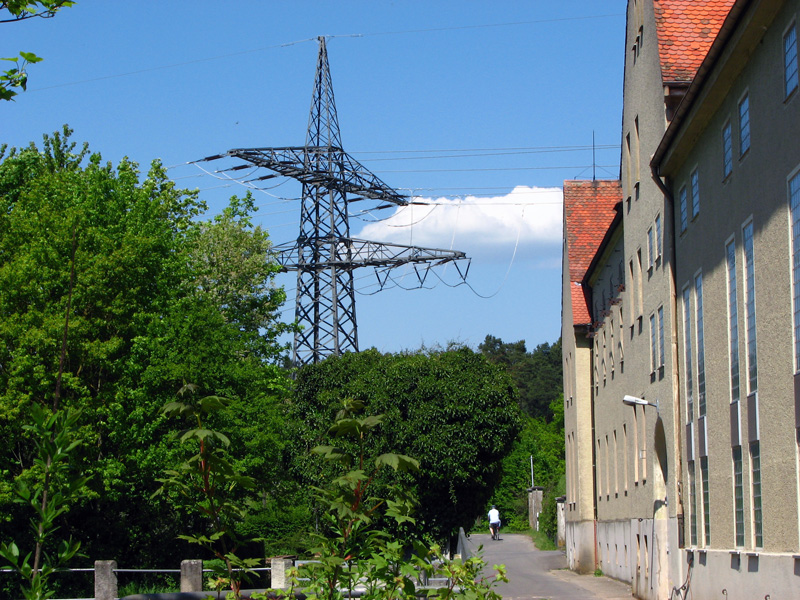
[
  {"x": 733, "y": 319},
  {"x": 687, "y": 351},
  {"x": 701, "y": 368},
  {"x": 658, "y": 236},
  {"x": 755, "y": 462},
  {"x": 727, "y": 150},
  {"x": 706, "y": 501},
  {"x": 653, "y": 347},
  {"x": 794, "y": 207},
  {"x": 750, "y": 309},
  {"x": 660, "y": 336},
  {"x": 651, "y": 257},
  {"x": 744, "y": 125},
  {"x": 738, "y": 496},
  {"x": 684, "y": 210},
  {"x": 790, "y": 61},
  {"x": 693, "y": 503},
  {"x": 695, "y": 193}
]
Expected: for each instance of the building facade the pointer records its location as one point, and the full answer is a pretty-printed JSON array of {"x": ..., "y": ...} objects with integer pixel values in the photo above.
[{"x": 681, "y": 385}]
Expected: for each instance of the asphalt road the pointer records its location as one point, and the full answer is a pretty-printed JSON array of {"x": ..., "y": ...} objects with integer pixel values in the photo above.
[{"x": 535, "y": 575}]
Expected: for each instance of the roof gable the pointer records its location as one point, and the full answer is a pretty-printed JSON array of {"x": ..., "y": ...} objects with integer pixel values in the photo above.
[
  {"x": 686, "y": 29},
  {"x": 589, "y": 210}
]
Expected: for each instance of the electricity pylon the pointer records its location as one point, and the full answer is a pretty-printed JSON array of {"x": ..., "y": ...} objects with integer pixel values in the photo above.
[{"x": 324, "y": 255}]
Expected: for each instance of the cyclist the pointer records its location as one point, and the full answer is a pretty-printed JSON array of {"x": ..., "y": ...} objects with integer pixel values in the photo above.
[{"x": 494, "y": 522}]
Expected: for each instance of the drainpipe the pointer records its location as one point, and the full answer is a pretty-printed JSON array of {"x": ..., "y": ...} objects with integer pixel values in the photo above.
[{"x": 676, "y": 389}]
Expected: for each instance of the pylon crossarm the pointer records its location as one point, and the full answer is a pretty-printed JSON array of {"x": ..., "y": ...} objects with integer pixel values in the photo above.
[
  {"x": 342, "y": 173},
  {"x": 354, "y": 253}
]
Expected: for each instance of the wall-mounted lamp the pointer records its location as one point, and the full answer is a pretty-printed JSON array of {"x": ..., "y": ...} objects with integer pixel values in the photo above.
[{"x": 634, "y": 401}]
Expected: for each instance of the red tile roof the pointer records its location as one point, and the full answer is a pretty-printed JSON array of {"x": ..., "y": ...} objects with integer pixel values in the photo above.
[
  {"x": 686, "y": 30},
  {"x": 588, "y": 213}
]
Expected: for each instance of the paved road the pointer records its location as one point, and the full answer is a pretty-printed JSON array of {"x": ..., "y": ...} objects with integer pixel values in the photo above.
[{"x": 535, "y": 575}]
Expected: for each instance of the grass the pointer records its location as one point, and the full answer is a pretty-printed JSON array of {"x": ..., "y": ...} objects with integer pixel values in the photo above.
[{"x": 541, "y": 541}]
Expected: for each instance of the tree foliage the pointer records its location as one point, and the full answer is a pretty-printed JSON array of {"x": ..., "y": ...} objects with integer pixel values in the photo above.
[
  {"x": 20, "y": 10},
  {"x": 155, "y": 297},
  {"x": 452, "y": 410},
  {"x": 537, "y": 375}
]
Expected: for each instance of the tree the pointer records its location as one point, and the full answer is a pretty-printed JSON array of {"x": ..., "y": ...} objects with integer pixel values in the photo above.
[
  {"x": 452, "y": 410},
  {"x": 537, "y": 375},
  {"x": 20, "y": 10},
  {"x": 157, "y": 298}
]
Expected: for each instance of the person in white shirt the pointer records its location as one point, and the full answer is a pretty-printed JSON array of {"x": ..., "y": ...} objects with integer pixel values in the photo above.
[{"x": 494, "y": 522}]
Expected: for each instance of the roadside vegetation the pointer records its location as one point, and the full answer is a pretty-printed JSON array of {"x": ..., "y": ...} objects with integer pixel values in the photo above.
[{"x": 117, "y": 290}]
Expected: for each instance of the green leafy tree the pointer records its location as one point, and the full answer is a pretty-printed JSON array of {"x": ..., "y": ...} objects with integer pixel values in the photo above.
[
  {"x": 452, "y": 410},
  {"x": 156, "y": 296},
  {"x": 208, "y": 482},
  {"x": 48, "y": 493},
  {"x": 12, "y": 11},
  {"x": 356, "y": 549},
  {"x": 537, "y": 375}
]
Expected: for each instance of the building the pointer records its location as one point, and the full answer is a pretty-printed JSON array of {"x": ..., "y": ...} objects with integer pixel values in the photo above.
[{"x": 681, "y": 401}]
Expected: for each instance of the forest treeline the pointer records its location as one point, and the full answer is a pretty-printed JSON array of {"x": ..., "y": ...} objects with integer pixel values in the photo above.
[{"x": 116, "y": 291}]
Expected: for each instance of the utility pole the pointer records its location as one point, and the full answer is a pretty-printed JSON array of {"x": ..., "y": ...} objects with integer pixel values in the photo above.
[{"x": 324, "y": 255}]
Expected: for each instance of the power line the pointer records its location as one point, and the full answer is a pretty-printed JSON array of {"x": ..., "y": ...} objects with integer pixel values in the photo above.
[{"x": 313, "y": 39}]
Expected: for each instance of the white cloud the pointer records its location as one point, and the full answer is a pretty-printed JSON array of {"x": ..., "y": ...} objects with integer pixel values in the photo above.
[{"x": 528, "y": 219}]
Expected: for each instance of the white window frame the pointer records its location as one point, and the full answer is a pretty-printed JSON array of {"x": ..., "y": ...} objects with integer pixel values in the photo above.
[
  {"x": 699, "y": 324},
  {"x": 731, "y": 280},
  {"x": 659, "y": 237},
  {"x": 793, "y": 181},
  {"x": 686, "y": 296},
  {"x": 750, "y": 307}
]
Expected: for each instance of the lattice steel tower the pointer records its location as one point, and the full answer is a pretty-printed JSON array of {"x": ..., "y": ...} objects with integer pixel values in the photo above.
[{"x": 324, "y": 255}]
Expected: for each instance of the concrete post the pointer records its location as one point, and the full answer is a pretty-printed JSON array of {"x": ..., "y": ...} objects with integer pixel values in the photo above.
[
  {"x": 280, "y": 573},
  {"x": 105, "y": 580},
  {"x": 192, "y": 575},
  {"x": 561, "y": 537},
  {"x": 535, "y": 497}
]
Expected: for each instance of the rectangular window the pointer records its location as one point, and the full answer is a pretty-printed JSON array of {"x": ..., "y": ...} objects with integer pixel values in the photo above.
[
  {"x": 701, "y": 358},
  {"x": 750, "y": 308},
  {"x": 790, "y": 60},
  {"x": 693, "y": 503},
  {"x": 651, "y": 257},
  {"x": 706, "y": 501},
  {"x": 658, "y": 236},
  {"x": 755, "y": 462},
  {"x": 744, "y": 125},
  {"x": 661, "y": 358},
  {"x": 733, "y": 319},
  {"x": 684, "y": 209},
  {"x": 695, "y": 180},
  {"x": 794, "y": 207},
  {"x": 727, "y": 150},
  {"x": 653, "y": 344},
  {"x": 687, "y": 351},
  {"x": 738, "y": 496}
]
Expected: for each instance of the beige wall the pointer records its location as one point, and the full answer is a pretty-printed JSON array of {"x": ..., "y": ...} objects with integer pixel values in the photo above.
[{"x": 756, "y": 191}]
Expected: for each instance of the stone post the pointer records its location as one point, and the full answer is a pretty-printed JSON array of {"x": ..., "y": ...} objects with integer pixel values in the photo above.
[
  {"x": 535, "y": 496},
  {"x": 192, "y": 575},
  {"x": 279, "y": 573},
  {"x": 561, "y": 538},
  {"x": 105, "y": 580}
]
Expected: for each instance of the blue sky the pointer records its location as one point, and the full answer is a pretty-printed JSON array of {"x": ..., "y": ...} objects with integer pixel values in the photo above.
[{"x": 481, "y": 109}]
